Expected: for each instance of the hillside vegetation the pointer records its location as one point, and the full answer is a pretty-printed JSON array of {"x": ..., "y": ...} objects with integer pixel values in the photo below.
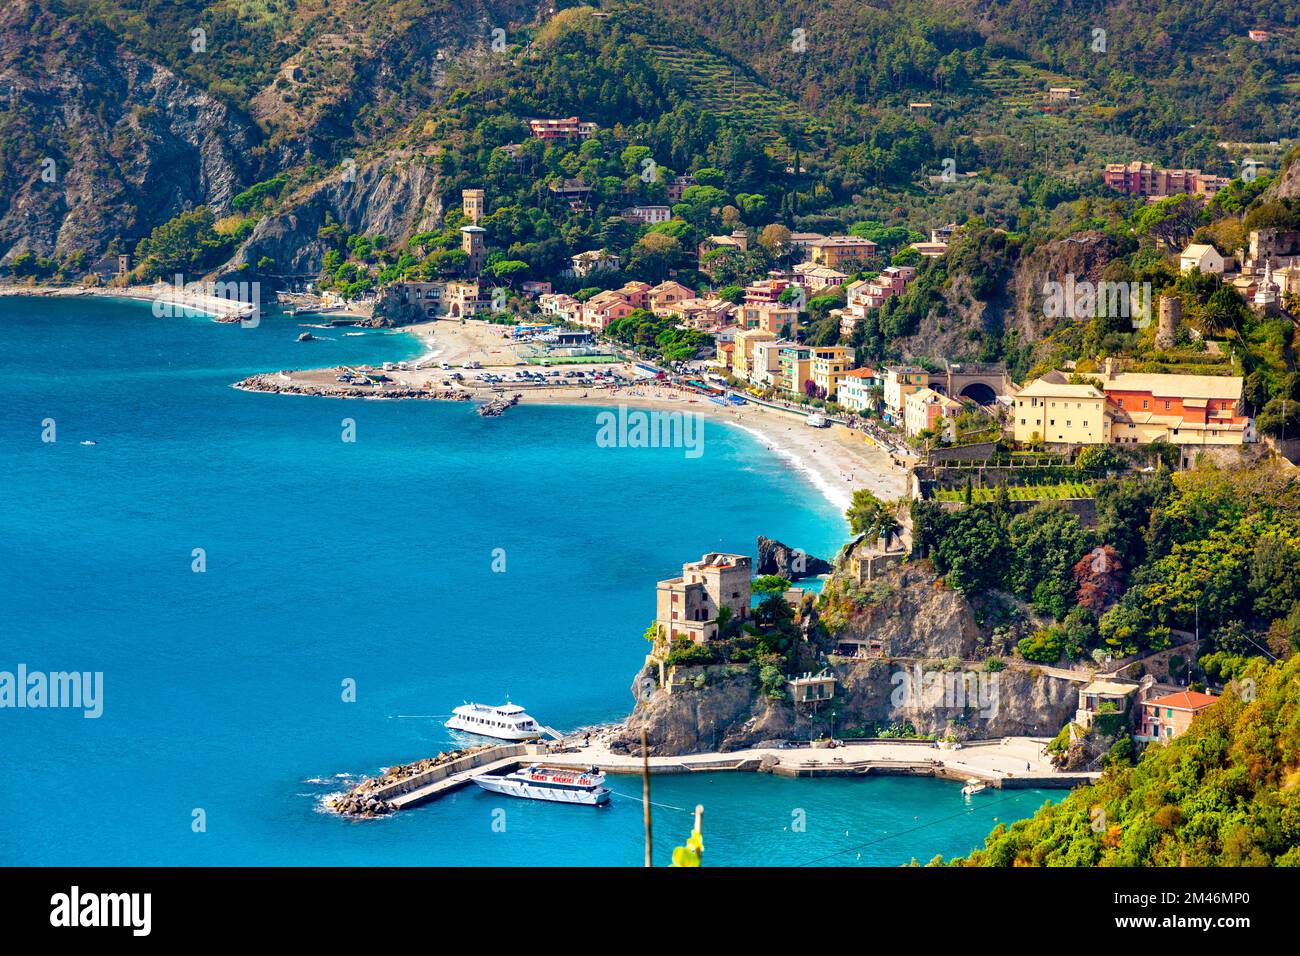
[{"x": 1225, "y": 793}]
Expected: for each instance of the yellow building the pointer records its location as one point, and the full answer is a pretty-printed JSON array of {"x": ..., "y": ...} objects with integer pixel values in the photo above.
[
  {"x": 742, "y": 357},
  {"x": 795, "y": 368},
  {"x": 1123, "y": 408},
  {"x": 1060, "y": 412},
  {"x": 830, "y": 364},
  {"x": 900, "y": 381}
]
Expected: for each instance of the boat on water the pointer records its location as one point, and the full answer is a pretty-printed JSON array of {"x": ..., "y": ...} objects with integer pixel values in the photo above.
[
  {"x": 973, "y": 786},
  {"x": 558, "y": 785},
  {"x": 506, "y": 722},
  {"x": 817, "y": 421}
]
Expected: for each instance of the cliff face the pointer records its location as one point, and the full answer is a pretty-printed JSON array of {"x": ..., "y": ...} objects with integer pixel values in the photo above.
[
  {"x": 954, "y": 327},
  {"x": 912, "y": 614},
  {"x": 132, "y": 144},
  {"x": 722, "y": 707},
  {"x": 929, "y": 675},
  {"x": 1288, "y": 183},
  {"x": 392, "y": 196}
]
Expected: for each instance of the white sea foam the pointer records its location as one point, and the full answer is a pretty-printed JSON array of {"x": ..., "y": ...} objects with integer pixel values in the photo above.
[{"x": 841, "y": 498}]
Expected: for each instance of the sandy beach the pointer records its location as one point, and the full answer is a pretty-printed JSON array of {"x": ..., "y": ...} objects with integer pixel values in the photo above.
[{"x": 835, "y": 460}]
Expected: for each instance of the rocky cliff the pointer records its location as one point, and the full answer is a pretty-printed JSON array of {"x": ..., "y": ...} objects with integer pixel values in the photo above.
[
  {"x": 930, "y": 677},
  {"x": 394, "y": 195},
  {"x": 98, "y": 142},
  {"x": 723, "y": 707}
]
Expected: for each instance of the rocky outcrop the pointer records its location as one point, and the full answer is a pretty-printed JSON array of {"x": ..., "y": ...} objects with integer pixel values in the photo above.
[
  {"x": 790, "y": 563},
  {"x": 394, "y": 196},
  {"x": 931, "y": 677},
  {"x": 1287, "y": 185},
  {"x": 955, "y": 325},
  {"x": 722, "y": 707},
  {"x": 104, "y": 144},
  {"x": 909, "y": 611}
]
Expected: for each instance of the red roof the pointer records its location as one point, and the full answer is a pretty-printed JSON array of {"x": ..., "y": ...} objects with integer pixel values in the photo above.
[{"x": 1184, "y": 700}]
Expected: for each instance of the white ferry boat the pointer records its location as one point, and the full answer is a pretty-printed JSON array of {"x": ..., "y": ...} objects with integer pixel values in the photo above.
[
  {"x": 586, "y": 787},
  {"x": 507, "y": 722}
]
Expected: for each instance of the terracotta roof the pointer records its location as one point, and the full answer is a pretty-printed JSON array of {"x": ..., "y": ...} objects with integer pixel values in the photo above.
[{"x": 1184, "y": 700}]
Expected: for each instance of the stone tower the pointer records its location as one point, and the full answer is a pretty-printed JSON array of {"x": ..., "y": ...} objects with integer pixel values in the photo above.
[
  {"x": 1171, "y": 316},
  {"x": 471, "y": 203},
  {"x": 471, "y": 240}
]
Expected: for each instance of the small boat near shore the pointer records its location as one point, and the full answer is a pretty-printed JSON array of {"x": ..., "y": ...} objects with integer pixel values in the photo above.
[
  {"x": 973, "y": 786},
  {"x": 586, "y": 787},
  {"x": 507, "y": 722}
]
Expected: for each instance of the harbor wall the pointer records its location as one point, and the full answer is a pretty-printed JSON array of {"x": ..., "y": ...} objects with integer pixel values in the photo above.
[{"x": 441, "y": 772}]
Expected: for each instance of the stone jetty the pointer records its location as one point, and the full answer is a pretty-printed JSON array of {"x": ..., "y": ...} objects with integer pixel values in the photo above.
[
  {"x": 285, "y": 384},
  {"x": 370, "y": 797}
]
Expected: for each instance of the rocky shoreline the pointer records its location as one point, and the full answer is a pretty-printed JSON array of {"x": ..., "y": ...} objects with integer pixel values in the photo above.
[{"x": 275, "y": 383}]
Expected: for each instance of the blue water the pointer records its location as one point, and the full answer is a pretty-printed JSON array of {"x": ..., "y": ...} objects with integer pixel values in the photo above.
[{"x": 369, "y": 562}]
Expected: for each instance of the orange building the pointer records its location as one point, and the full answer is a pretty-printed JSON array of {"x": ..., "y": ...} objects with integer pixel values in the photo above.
[{"x": 1167, "y": 717}]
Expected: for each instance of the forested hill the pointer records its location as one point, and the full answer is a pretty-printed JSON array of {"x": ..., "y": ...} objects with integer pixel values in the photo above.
[
  {"x": 1225, "y": 793},
  {"x": 118, "y": 117}
]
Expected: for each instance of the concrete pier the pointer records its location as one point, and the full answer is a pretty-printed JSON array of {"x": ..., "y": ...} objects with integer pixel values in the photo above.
[{"x": 1007, "y": 763}]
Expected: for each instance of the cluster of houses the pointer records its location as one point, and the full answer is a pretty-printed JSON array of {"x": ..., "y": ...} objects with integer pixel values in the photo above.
[
  {"x": 831, "y": 253},
  {"x": 1152, "y": 711}
]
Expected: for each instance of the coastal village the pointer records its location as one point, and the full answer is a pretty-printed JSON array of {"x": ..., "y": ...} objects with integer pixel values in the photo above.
[
  {"x": 998, "y": 309},
  {"x": 948, "y": 433}
]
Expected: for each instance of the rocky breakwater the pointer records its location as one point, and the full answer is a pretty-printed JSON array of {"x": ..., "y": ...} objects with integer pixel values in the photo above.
[
  {"x": 286, "y": 384},
  {"x": 364, "y": 801},
  {"x": 908, "y": 660}
]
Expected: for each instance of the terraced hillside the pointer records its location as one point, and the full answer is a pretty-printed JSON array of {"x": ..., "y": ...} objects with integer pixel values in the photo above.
[{"x": 716, "y": 84}]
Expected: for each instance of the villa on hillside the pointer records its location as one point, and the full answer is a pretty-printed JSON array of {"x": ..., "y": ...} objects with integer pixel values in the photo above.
[
  {"x": 688, "y": 606},
  {"x": 1143, "y": 179},
  {"x": 562, "y": 129},
  {"x": 647, "y": 215},
  {"x": 1165, "y": 718},
  {"x": 814, "y": 278},
  {"x": 1118, "y": 408},
  {"x": 597, "y": 260}
]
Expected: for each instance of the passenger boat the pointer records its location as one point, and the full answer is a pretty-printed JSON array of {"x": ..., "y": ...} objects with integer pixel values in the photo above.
[
  {"x": 973, "y": 786},
  {"x": 586, "y": 787},
  {"x": 507, "y": 722}
]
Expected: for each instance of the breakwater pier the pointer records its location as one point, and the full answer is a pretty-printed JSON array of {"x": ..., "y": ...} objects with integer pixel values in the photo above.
[{"x": 1005, "y": 763}]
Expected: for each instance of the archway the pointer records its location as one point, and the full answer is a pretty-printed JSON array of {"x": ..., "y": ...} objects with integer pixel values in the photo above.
[{"x": 979, "y": 393}]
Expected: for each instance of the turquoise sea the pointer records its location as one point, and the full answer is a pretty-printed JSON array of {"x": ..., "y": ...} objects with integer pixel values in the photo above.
[{"x": 371, "y": 562}]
